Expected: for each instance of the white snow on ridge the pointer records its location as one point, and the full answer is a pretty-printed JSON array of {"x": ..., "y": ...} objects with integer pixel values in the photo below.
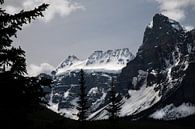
[
  {"x": 171, "y": 112},
  {"x": 111, "y": 61},
  {"x": 68, "y": 62},
  {"x": 140, "y": 100},
  {"x": 99, "y": 67}
]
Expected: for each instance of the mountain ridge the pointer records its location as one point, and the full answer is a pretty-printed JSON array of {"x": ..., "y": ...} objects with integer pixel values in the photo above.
[
  {"x": 162, "y": 69},
  {"x": 110, "y": 60}
]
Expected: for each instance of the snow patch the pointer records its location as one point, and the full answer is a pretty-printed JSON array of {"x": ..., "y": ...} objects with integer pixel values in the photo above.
[
  {"x": 69, "y": 113},
  {"x": 140, "y": 100},
  {"x": 66, "y": 94},
  {"x": 151, "y": 25},
  {"x": 170, "y": 112},
  {"x": 101, "y": 114},
  {"x": 52, "y": 106},
  {"x": 93, "y": 90}
]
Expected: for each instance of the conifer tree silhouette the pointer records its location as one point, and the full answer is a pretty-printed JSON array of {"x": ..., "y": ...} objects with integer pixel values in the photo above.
[
  {"x": 13, "y": 59},
  {"x": 115, "y": 104},
  {"x": 17, "y": 90},
  {"x": 82, "y": 102}
]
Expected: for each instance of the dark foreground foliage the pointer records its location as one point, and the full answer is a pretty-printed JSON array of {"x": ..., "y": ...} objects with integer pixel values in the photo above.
[
  {"x": 82, "y": 102},
  {"x": 46, "y": 119},
  {"x": 19, "y": 95}
]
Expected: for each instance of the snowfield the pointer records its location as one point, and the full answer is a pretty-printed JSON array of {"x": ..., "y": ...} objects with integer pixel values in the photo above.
[
  {"x": 108, "y": 67},
  {"x": 140, "y": 100},
  {"x": 110, "y": 61},
  {"x": 171, "y": 112}
]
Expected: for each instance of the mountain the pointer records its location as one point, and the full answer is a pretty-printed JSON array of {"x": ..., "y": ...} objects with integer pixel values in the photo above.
[
  {"x": 110, "y": 61},
  {"x": 99, "y": 68},
  {"x": 162, "y": 73},
  {"x": 157, "y": 83},
  {"x": 68, "y": 62}
]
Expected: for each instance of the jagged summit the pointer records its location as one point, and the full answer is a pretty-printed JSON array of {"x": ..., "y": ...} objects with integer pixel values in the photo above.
[
  {"x": 69, "y": 61},
  {"x": 112, "y": 60},
  {"x": 161, "y": 42},
  {"x": 96, "y": 55},
  {"x": 161, "y": 22},
  {"x": 119, "y": 56}
]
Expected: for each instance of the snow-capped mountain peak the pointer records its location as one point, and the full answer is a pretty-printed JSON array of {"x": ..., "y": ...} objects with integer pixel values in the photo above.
[
  {"x": 110, "y": 60},
  {"x": 117, "y": 56},
  {"x": 96, "y": 55},
  {"x": 69, "y": 61}
]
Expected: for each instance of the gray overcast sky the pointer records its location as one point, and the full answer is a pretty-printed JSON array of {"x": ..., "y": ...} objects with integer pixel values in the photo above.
[{"x": 93, "y": 25}]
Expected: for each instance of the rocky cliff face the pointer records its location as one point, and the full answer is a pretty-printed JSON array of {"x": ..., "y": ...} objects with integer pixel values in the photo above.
[
  {"x": 167, "y": 59},
  {"x": 162, "y": 46},
  {"x": 161, "y": 78}
]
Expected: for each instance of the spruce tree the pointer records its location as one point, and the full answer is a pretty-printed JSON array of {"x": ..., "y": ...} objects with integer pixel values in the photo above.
[
  {"x": 19, "y": 94},
  {"x": 82, "y": 102},
  {"x": 115, "y": 104},
  {"x": 12, "y": 59}
]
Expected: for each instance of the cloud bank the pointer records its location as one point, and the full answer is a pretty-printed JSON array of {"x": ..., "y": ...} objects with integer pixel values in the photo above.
[
  {"x": 57, "y": 7},
  {"x": 34, "y": 70},
  {"x": 175, "y": 9}
]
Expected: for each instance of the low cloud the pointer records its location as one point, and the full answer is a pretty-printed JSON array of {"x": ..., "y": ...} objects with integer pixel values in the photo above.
[
  {"x": 57, "y": 7},
  {"x": 175, "y": 9},
  {"x": 34, "y": 70},
  {"x": 188, "y": 28},
  {"x": 11, "y": 9}
]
